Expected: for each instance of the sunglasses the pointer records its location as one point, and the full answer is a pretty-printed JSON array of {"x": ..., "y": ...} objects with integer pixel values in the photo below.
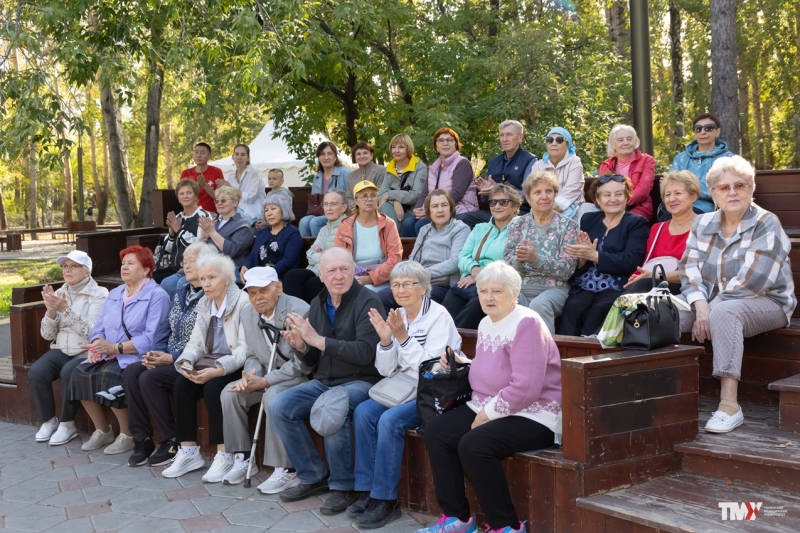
[
  {"x": 737, "y": 187},
  {"x": 502, "y": 202},
  {"x": 550, "y": 140},
  {"x": 605, "y": 179},
  {"x": 706, "y": 127}
]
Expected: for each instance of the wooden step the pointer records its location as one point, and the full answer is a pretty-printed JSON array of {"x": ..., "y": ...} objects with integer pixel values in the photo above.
[
  {"x": 685, "y": 503},
  {"x": 789, "y": 413},
  {"x": 756, "y": 452}
]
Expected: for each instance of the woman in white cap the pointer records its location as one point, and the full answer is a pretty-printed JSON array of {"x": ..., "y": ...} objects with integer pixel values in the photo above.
[{"x": 68, "y": 321}]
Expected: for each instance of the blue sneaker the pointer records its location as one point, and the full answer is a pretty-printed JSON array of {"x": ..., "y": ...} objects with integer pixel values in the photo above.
[
  {"x": 507, "y": 529},
  {"x": 451, "y": 524}
]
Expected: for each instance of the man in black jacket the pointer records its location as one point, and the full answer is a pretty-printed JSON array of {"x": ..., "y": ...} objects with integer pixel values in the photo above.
[{"x": 339, "y": 342}]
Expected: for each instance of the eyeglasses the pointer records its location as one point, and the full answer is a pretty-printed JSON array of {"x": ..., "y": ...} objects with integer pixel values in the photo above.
[
  {"x": 220, "y": 200},
  {"x": 707, "y": 127},
  {"x": 407, "y": 286},
  {"x": 737, "y": 187},
  {"x": 368, "y": 197},
  {"x": 605, "y": 179},
  {"x": 551, "y": 140},
  {"x": 188, "y": 262},
  {"x": 445, "y": 140},
  {"x": 503, "y": 202},
  {"x": 73, "y": 266},
  {"x": 331, "y": 204}
]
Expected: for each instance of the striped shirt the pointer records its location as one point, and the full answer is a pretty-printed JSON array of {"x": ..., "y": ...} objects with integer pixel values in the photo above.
[{"x": 752, "y": 262}]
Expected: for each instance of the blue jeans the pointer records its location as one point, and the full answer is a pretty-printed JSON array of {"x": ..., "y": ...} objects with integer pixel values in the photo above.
[
  {"x": 419, "y": 223},
  {"x": 380, "y": 434},
  {"x": 288, "y": 412},
  {"x": 172, "y": 283},
  {"x": 310, "y": 225}
]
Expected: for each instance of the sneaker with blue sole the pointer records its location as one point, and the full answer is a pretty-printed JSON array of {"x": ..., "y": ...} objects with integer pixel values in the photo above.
[{"x": 451, "y": 524}]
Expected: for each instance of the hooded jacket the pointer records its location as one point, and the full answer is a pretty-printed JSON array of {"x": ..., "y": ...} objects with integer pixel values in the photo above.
[
  {"x": 69, "y": 332},
  {"x": 642, "y": 174},
  {"x": 438, "y": 250},
  {"x": 699, "y": 163},
  {"x": 406, "y": 186}
]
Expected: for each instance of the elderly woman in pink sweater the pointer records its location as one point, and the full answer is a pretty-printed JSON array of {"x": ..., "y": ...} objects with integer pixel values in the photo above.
[{"x": 515, "y": 407}]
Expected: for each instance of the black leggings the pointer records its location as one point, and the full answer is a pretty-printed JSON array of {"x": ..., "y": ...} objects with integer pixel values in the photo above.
[
  {"x": 302, "y": 283},
  {"x": 585, "y": 311},
  {"x": 187, "y": 393},
  {"x": 455, "y": 449}
]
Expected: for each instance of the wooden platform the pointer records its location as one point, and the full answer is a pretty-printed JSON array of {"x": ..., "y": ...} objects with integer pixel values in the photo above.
[{"x": 6, "y": 370}]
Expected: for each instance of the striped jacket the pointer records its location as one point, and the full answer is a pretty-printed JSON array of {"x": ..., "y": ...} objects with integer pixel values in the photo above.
[{"x": 753, "y": 262}]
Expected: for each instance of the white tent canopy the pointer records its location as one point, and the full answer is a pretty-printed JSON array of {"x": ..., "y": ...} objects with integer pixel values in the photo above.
[{"x": 267, "y": 153}]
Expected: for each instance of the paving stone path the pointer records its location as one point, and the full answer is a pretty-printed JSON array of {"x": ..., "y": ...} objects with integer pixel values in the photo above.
[{"x": 65, "y": 490}]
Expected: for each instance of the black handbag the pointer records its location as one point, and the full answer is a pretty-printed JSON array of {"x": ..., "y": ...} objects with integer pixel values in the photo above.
[
  {"x": 656, "y": 322},
  {"x": 440, "y": 392}
]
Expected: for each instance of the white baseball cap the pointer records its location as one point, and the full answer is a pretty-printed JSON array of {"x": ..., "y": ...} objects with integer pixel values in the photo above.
[
  {"x": 82, "y": 258},
  {"x": 260, "y": 277}
]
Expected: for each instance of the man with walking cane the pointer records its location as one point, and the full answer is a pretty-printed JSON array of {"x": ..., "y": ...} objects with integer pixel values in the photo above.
[{"x": 270, "y": 368}]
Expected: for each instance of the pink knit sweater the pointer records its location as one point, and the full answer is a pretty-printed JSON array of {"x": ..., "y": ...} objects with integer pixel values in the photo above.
[{"x": 517, "y": 369}]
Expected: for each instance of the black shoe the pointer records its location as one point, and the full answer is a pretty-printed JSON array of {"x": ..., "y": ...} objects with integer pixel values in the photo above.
[
  {"x": 360, "y": 505},
  {"x": 141, "y": 451},
  {"x": 379, "y": 514},
  {"x": 301, "y": 492},
  {"x": 339, "y": 501},
  {"x": 165, "y": 454}
]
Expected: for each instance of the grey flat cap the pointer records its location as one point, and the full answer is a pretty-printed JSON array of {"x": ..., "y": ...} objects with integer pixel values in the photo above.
[{"x": 330, "y": 411}]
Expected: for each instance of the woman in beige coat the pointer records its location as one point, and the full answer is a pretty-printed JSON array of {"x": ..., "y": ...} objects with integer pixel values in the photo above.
[{"x": 68, "y": 321}]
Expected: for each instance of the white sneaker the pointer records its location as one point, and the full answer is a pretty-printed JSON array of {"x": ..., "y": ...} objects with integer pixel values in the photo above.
[
  {"x": 238, "y": 473},
  {"x": 98, "y": 440},
  {"x": 63, "y": 435},
  {"x": 722, "y": 422},
  {"x": 279, "y": 481},
  {"x": 47, "y": 430},
  {"x": 219, "y": 468},
  {"x": 183, "y": 463},
  {"x": 122, "y": 444}
]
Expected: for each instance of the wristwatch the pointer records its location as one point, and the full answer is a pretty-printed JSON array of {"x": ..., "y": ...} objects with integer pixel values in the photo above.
[{"x": 119, "y": 347}]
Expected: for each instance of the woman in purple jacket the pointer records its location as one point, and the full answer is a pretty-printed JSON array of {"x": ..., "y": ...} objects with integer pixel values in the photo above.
[{"x": 125, "y": 329}]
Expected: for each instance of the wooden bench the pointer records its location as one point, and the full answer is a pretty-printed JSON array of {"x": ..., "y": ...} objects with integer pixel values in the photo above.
[
  {"x": 789, "y": 412},
  {"x": 104, "y": 247}
]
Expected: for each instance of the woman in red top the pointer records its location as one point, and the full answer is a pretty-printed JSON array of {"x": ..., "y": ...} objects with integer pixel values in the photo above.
[
  {"x": 627, "y": 160},
  {"x": 668, "y": 239}
]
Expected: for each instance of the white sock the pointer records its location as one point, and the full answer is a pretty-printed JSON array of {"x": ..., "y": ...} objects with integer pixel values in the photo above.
[{"x": 190, "y": 450}]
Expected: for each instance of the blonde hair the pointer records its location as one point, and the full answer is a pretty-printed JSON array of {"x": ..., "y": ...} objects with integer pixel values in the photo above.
[
  {"x": 689, "y": 181},
  {"x": 534, "y": 178},
  {"x": 616, "y": 129},
  {"x": 231, "y": 192},
  {"x": 402, "y": 138}
]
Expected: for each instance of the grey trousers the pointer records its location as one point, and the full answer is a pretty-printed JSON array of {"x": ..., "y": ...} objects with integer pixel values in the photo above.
[
  {"x": 547, "y": 301},
  {"x": 731, "y": 321},
  {"x": 235, "y": 406}
]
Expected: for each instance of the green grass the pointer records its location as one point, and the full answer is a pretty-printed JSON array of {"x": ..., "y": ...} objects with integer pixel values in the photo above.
[{"x": 19, "y": 273}]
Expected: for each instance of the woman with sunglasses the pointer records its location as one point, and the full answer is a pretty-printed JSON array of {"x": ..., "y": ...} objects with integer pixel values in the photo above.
[
  {"x": 452, "y": 172},
  {"x": 609, "y": 247},
  {"x": 231, "y": 232},
  {"x": 698, "y": 157},
  {"x": 485, "y": 244},
  {"x": 560, "y": 159},
  {"x": 625, "y": 159},
  {"x": 737, "y": 276}
]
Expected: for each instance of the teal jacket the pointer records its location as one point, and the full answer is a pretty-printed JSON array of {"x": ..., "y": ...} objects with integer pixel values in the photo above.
[
  {"x": 492, "y": 249},
  {"x": 699, "y": 163}
]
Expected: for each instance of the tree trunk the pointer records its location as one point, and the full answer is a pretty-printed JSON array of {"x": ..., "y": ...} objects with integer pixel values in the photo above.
[
  {"x": 68, "y": 192},
  {"x": 796, "y": 118},
  {"x": 757, "y": 120},
  {"x": 3, "y": 220},
  {"x": 100, "y": 196},
  {"x": 744, "y": 116},
  {"x": 128, "y": 216},
  {"x": 166, "y": 145},
  {"x": 351, "y": 110},
  {"x": 153, "y": 122},
  {"x": 769, "y": 154},
  {"x": 494, "y": 17},
  {"x": 617, "y": 21},
  {"x": 33, "y": 196},
  {"x": 724, "y": 84},
  {"x": 676, "y": 58}
]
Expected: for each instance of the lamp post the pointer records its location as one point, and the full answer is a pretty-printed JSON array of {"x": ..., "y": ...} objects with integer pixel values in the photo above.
[{"x": 640, "y": 74}]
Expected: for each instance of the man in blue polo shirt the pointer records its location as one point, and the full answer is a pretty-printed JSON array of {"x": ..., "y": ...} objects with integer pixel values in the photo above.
[{"x": 511, "y": 167}]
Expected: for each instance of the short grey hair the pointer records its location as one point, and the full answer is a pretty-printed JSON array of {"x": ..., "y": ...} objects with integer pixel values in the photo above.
[
  {"x": 282, "y": 201},
  {"x": 222, "y": 263},
  {"x": 413, "y": 270},
  {"x": 199, "y": 248},
  {"x": 516, "y": 123},
  {"x": 616, "y": 129},
  {"x": 734, "y": 164},
  {"x": 332, "y": 251},
  {"x": 502, "y": 273},
  {"x": 340, "y": 192}
]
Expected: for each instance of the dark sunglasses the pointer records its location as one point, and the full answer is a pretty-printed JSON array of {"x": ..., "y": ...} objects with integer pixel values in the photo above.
[
  {"x": 707, "y": 127},
  {"x": 550, "y": 140},
  {"x": 503, "y": 202},
  {"x": 605, "y": 179}
]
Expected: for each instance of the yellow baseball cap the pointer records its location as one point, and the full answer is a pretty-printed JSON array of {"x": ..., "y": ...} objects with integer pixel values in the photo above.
[{"x": 361, "y": 185}]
